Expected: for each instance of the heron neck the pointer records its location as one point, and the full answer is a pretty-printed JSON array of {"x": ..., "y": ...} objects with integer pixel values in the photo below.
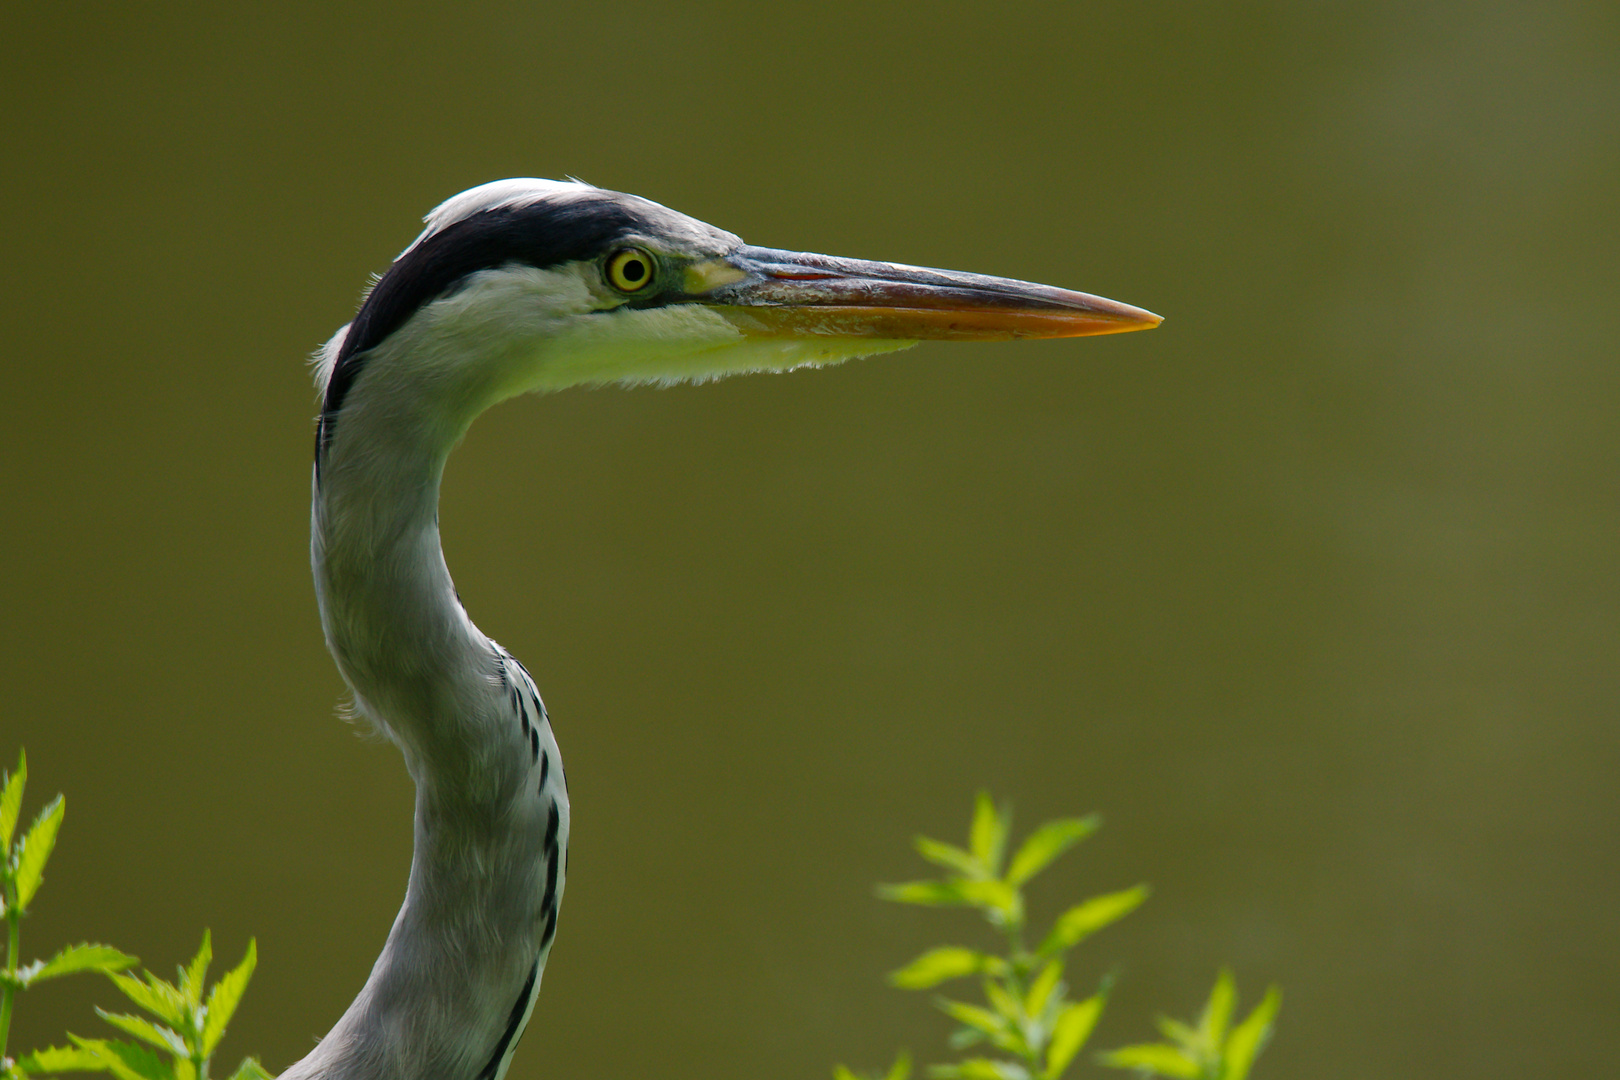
[
  {"x": 389, "y": 608},
  {"x": 450, "y": 993}
]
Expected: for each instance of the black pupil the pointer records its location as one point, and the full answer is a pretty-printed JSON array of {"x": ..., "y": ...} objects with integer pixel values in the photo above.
[{"x": 633, "y": 270}]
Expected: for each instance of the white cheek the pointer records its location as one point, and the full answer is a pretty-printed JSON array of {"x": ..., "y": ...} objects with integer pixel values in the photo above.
[
  {"x": 522, "y": 299},
  {"x": 634, "y": 345}
]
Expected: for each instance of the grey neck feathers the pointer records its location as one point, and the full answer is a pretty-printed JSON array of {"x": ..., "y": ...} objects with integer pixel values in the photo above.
[{"x": 451, "y": 990}]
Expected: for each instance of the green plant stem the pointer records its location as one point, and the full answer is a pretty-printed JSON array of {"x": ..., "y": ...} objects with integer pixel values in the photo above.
[
  {"x": 13, "y": 946},
  {"x": 1018, "y": 968},
  {"x": 198, "y": 1061}
]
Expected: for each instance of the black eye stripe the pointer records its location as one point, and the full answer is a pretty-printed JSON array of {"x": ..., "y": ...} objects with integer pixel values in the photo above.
[{"x": 539, "y": 234}]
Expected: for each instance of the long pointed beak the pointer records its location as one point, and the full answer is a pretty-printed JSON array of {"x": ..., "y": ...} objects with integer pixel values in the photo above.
[{"x": 790, "y": 294}]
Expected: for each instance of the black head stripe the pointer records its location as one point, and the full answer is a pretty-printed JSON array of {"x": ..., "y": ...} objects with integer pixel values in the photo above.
[{"x": 540, "y": 234}]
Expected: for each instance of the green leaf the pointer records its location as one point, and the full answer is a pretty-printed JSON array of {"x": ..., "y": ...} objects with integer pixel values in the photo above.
[
  {"x": 176, "y": 1000},
  {"x": 1250, "y": 1037},
  {"x": 927, "y": 893},
  {"x": 126, "y": 1060},
  {"x": 1155, "y": 1058},
  {"x": 250, "y": 1069},
  {"x": 76, "y": 958},
  {"x": 155, "y": 996},
  {"x": 1083, "y": 920},
  {"x": 979, "y": 1069},
  {"x": 61, "y": 1059},
  {"x": 1047, "y": 843},
  {"x": 36, "y": 849},
  {"x": 989, "y": 894},
  {"x": 1218, "y": 1011},
  {"x": 1069, "y": 1034},
  {"x": 988, "y": 834},
  {"x": 949, "y": 856},
  {"x": 973, "y": 1016},
  {"x": 1041, "y": 989},
  {"x": 161, "y": 1037},
  {"x": 11, "y": 802},
  {"x": 1176, "y": 1031},
  {"x": 225, "y": 996},
  {"x": 936, "y": 966},
  {"x": 1010, "y": 1008},
  {"x": 193, "y": 976}
]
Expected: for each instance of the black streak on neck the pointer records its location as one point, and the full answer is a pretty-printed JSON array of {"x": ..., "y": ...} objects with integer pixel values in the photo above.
[{"x": 513, "y": 1022}]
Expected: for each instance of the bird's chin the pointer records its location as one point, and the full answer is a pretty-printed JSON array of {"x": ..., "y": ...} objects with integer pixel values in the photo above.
[
  {"x": 757, "y": 353},
  {"x": 690, "y": 343}
]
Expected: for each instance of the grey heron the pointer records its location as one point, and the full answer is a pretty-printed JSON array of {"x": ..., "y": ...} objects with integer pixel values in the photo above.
[{"x": 517, "y": 286}]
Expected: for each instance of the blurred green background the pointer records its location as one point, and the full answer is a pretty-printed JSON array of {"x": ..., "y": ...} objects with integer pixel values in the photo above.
[{"x": 1311, "y": 591}]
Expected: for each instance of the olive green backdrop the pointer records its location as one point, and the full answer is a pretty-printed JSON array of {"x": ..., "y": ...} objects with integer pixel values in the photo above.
[{"x": 1311, "y": 591}]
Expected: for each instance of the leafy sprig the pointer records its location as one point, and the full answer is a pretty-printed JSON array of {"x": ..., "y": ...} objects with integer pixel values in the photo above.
[
  {"x": 1213, "y": 1049},
  {"x": 176, "y": 1039},
  {"x": 1031, "y": 1027},
  {"x": 22, "y": 872},
  {"x": 186, "y": 1019},
  {"x": 1027, "y": 1017}
]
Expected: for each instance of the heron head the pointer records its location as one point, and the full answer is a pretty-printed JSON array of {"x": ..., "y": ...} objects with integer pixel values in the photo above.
[{"x": 536, "y": 284}]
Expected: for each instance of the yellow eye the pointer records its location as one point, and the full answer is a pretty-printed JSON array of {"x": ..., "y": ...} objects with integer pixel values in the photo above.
[{"x": 630, "y": 270}]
